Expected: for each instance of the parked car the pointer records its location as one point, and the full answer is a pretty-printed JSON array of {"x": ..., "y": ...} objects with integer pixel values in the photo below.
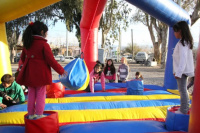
[
  {"x": 59, "y": 57},
  {"x": 114, "y": 58},
  {"x": 68, "y": 59},
  {"x": 141, "y": 57},
  {"x": 129, "y": 58}
]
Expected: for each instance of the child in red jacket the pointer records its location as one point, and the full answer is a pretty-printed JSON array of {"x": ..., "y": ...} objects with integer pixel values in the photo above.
[{"x": 37, "y": 59}]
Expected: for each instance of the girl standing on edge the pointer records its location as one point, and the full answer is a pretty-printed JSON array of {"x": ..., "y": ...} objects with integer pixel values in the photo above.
[
  {"x": 95, "y": 75},
  {"x": 123, "y": 71},
  {"x": 183, "y": 65},
  {"x": 109, "y": 71},
  {"x": 37, "y": 59}
]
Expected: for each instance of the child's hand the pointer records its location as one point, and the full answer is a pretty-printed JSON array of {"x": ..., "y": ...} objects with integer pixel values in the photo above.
[
  {"x": 124, "y": 81},
  {"x": 7, "y": 97},
  {"x": 2, "y": 105},
  {"x": 64, "y": 74}
]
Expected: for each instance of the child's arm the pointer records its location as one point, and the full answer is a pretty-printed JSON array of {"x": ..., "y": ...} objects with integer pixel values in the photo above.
[
  {"x": 2, "y": 94},
  {"x": 141, "y": 77},
  {"x": 103, "y": 81},
  {"x": 49, "y": 58},
  {"x": 114, "y": 77},
  {"x": 127, "y": 72},
  {"x": 92, "y": 82},
  {"x": 22, "y": 57},
  {"x": 118, "y": 72},
  {"x": 20, "y": 93}
]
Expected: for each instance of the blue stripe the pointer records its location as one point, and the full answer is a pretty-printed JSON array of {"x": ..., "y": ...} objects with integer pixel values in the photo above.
[
  {"x": 153, "y": 92},
  {"x": 97, "y": 105}
]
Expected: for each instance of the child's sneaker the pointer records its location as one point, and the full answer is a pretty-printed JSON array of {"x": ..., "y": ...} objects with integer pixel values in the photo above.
[
  {"x": 178, "y": 112},
  {"x": 40, "y": 116},
  {"x": 32, "y": 117}
]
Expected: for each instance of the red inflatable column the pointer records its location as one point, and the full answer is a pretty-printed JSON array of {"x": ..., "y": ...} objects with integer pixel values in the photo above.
[
  {"x": 89, "y": 46},
  {"x": 195, "y": 108},
  {"x": 92, "y": 11}
]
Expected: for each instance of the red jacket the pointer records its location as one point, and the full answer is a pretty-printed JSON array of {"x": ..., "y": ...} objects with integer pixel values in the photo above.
[{"x": 37, "y": 63}]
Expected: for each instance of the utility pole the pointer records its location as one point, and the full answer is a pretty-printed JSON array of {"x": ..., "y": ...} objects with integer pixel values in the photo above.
[
  {"x": 118, "y": 56},
  {"x": 66, "y": 41},
  {"x": 132, "y": 43}
]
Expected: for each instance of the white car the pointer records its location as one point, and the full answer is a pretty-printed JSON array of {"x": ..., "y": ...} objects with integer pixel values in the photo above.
[
  {"x": 114, "y": 58},
  {"x": 141, "y": 57},
  {"x": 59, "y": 57},
  {"x": 67, "y": 59},
  {"x": 129, "y": 58}
]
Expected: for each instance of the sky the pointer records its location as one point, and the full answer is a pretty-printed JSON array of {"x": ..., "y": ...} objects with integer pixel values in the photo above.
[{"x": 141, "y": 36}]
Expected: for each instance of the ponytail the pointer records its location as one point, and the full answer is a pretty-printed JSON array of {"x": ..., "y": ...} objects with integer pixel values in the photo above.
[
  {"x": 27, "y": 38},
  {"x": 33, "y": 29}
]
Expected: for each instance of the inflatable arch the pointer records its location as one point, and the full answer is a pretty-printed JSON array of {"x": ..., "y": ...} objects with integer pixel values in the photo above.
[{"x": 164, "y": 10}]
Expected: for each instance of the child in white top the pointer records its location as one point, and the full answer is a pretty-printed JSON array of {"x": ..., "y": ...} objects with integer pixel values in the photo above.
[{"x": 183, "y": 65}]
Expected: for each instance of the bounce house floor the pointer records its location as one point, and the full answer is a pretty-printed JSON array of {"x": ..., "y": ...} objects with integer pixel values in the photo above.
[{"x": 110, "y": 111}]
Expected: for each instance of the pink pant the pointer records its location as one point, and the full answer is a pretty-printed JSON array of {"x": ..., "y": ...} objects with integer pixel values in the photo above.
[{"x": 36, "y": 100}]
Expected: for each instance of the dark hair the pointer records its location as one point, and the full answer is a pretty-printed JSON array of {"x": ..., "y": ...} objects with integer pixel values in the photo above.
[
  {"x": 185, "y": 33},
  {"x": 7, "y": 78},
  {"x": 33, "y": 29},
  {"x": 137, "y": 73},
  {"x": 98, "y": 64},
  {"x": 112, "y": 67}
]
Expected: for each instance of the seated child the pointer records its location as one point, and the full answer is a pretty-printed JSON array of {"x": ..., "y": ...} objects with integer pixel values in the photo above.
[
  {"x": 138, "y": 76},
  {"x": 135, "y": 86},
  {"x": 95, "y": 75},
  {"x": 12, "y": 92},
  {"x": 109, "y": 71}
]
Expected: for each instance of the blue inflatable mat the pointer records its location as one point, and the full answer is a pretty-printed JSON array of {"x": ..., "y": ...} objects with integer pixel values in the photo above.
[
  {"x": 97, "y": 87},
  {"x": 117, "y": 85},
  {"x": 123, "y": 85},
  {"x": 153, "y": 92},
  {"x": 12, "y": 129},
  {"x": 101, "y": 127},
  {"x": 115, "y": 127},
  {"x": 98, "y": 105},
  {"x": 95, "y": 94}
]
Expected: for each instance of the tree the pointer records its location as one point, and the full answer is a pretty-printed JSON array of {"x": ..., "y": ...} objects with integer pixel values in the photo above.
[
  {"x": 115, "y": 17},
  {"x": 158, "y": 30},
  {"x": 193, "y": 7},
  {"x": 68, "y": 11},
  {"x": 129, "y": 49},
  {"x": 13, "y": 30}
]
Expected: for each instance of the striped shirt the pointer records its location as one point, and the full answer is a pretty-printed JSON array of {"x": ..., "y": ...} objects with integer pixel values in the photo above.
[{"x": 123, "y": 72}]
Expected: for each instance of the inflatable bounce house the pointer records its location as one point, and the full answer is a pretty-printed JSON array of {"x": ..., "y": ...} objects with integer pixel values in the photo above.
[{"x": 103, "y": 112}]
